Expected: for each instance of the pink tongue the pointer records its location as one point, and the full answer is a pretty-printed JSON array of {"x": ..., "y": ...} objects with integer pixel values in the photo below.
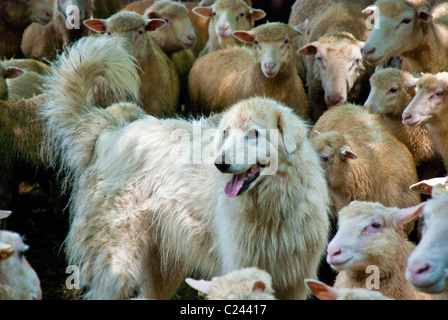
[{"x": 235, "y": 184}]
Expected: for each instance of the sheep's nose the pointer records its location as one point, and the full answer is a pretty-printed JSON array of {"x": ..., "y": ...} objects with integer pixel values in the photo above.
[
  {"x": 333, "y": 252},
  {"x": 270, "y": 65},
  {"x": 425, "y": 268},
  {"x": 222, "y": 166},
  {"x": 191, "y": 37},
  {"x": 336, "y": 99},
  {"x": 368, "y": 52},
  {"x": 406, "y": 116},
  {"x": 224, "y": 27}
]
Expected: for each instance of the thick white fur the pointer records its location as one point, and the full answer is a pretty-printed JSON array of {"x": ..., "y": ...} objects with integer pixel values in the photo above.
[{"x": 141, "y": 220}]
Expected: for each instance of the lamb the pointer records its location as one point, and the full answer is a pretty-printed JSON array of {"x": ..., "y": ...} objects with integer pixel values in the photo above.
[
  {"x": 429, "y": 109},
  {"x": 325, "y": 292},
  {"x": 391, "y": 92},
  {"x": 407, "y": 30},
  {"x": 44, "y": 42},
  {"x": 15, "y": 17},
  {"x": 160, "y": 88},
  {"x": 221, "y": 78},
  {"x": 330, "y": 53},
  {"x": 139, "y": 234},
  {"x": 362, "y": 158},
  {"x": 243, "y": 284},
  {"x": 227, "y": 16},
  {"x": 428, "y": 263},
  {"x": 18, "y": 280},
  {"x": 371, "y": 235}
]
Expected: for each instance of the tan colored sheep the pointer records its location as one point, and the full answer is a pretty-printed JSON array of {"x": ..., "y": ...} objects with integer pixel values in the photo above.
[
  {"x": 159, "y": 90},
  {"x": 406, "y": 29},
  {"x": 363, "y": 158},
  {"x": 330, "y": 52},
  {"x": 427, "y": 268},
  {"x": 166, "y": 219},
  {"x": 221, "y": 78},
  {"x": 227, "y": 16},
  {"x": 16, "y": 15},
  {"x": 429, "y": 108},
  {"x": 325, "y": 292},
  {"x": 391, "y": 92},
  {"x": 45, "y": 42},
  {"x": 371, "y": 235},
  {"x": 247, "y": 283}
]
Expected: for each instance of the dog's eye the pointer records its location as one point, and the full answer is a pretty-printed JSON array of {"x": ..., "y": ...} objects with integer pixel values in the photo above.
[
  {"x": 252, "y": 134},
  {"x": 225, "y": 133}
]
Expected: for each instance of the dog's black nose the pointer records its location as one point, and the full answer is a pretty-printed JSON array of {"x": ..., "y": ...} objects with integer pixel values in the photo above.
[{"x": 222, "y": 166}]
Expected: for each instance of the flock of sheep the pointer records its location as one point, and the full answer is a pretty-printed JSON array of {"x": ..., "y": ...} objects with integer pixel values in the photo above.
[{"x": 360, "y": 105}]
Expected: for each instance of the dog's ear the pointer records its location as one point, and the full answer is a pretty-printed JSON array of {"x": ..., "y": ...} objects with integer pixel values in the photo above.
[{"x": 292, "y": 129}]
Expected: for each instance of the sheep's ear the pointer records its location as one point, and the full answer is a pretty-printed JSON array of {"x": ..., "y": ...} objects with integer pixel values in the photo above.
[
  {"x": 5, "y": 214},
  {"x": 206, "y": 12},
  {"x": 259, "y": 286},
  {"x": 244, "y": 36},
  {"x": 200, "y": 285},
  {"x": 424, "y": 14},
  {"x": 308, "y": 50},
  {"x": 154, "y": 24},
  {"x": 369, "y": 10},
  {"x": 321, "y": 290},
  {"x": 379, "y": 68},
  {"x": 256, "y": 14},
  {"x": 5, "y": 251},
  {"x": 12, "y": 72},
  {"x": 346, "y": 152},
  {"x": 300, "y": 28},
  {"x": 410, "y": 82},
  {"x": 152, "y": 15},
  {"x": 405, "y": 215},
  {"x": 97, "y": 25}
]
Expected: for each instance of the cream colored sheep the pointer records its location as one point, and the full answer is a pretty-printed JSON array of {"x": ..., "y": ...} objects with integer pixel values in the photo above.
[
  {"x": 330, "y": 52},
  {"x": 391, "y": 92},
  {"x": 45, "y": 42},
  {"x": 248, "y": 283},
  {"x": 406, "y": 29},
  {"x": 166, "y": 218},
  {"x": 325, "y": 292},
  {"x": 427, "y": 268},
  {"x": 371, "y": 235},
  {"x": 227, "y": 16},
  {"x": 18, "y": 280},
  {"x": 429, "y": 108},
  {"x": 221, "y": 78},
  {"x": 159, "y": 90},
  {"x": 16, "y": 15},
  {"x": 363, "y": 158}
]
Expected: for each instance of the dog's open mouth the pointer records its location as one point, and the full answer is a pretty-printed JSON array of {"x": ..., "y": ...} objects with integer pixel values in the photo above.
[{"x": 241, "y": 182}]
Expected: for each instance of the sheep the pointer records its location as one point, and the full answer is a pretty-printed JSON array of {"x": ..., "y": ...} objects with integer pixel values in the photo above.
[
  {"x": 170, "y": 238},
  {"x": 225, "y": 17},
  {"x": 406, "y": 30},
  {"x": 18, "y": 280},
  {"x": 371, "y": 235},
  {"x": 325, "y": 292},
  {"x": 362, "y": 158},
  {"x": 44, "y": 42},
  {"x": 428, "y": 108},
  {"x": 221, "y": 78},
  {"x": 391, "y": 92},
  {"x": 15, "y": 17},
  {"x": 426, "y": 186},
  {"x": 160, "y": 87},
  {"x": 330, "y": 53},
  {"x": 428, "y": 264},
  {"x": 243, "y": 284},
  {"x": 30, "y": 81}
]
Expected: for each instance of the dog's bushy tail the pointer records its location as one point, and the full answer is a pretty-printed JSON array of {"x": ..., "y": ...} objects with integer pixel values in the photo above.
[{"x": 82, "y": 75}]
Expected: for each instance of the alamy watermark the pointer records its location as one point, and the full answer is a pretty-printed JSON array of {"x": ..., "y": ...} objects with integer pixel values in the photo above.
[{"x": 73, "y": 20}]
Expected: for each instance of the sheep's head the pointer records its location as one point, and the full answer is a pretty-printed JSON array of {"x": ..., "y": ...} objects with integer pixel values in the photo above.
[
  {"x": 337, "y": 63},
  {"x": 272, "y": 45},
  {"x": 430, "y": 102},
  {"x": 227, "y": 16},
  {"x": 367, "y": 234},
  {"x": 24, "y": 12},
  {"x": 129, "y": 26},
  {"x": 427, "y": 268},
  {"x": 401, "y": 28},
  {"x": 391, "y": 90},
  {"x": 73, "y": 10},
  {"x": 7, "y": 73},
  {"x": 178, "y": 34}
]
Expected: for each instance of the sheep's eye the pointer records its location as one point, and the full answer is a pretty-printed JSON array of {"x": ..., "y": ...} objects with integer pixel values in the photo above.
[
  {"x": 241, "y": 15},
  {"x": 357, "y": 60},
  {"x": 406, "y": 21},
  {"x": 376, "y": 225},
  {"x": 109, "y": 33},
  {"x": 324, "y": 158},
  {"x": 439, "y": 94},
  {"x": 286, "y": 41},
  {"x": 140, "y": 32},
  {"x": 393, "y": 90},
  {"x": 256, "y": 42},
  {"x": 214, "y": 13}
]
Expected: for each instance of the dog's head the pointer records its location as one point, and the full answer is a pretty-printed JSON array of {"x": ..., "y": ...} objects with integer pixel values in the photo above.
[{"x": 255, "y": 138}]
